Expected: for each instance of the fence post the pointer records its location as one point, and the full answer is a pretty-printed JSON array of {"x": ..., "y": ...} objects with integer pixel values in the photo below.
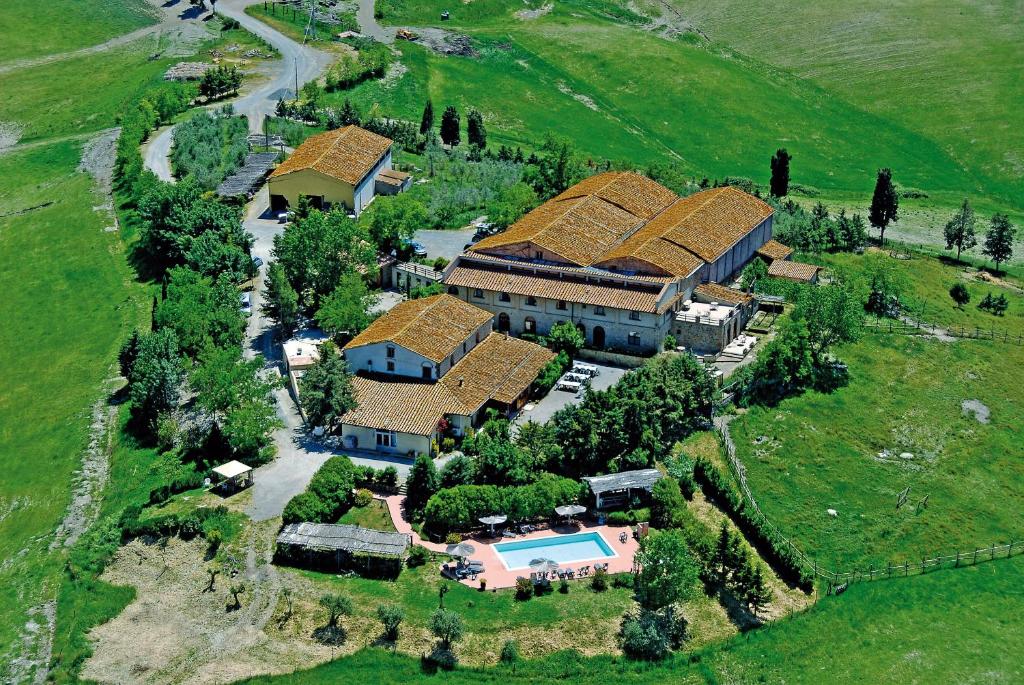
[
  {"x": 957, "y": 564},
  {"x": 992, "y": 554},
  {"x": 975, "y": 560},
  {"x": 889, "y": 569}
]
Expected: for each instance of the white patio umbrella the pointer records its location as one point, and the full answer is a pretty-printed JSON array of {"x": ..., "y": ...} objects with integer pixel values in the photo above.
[
  {"x": 543, "y": 565},
  {"x": 570, "y": 510},
  {"x": 493, "y": 521},
  {"x": 461, "y": 550}
]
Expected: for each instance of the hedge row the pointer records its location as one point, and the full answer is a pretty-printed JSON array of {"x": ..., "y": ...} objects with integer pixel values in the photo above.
[
  {"x": 328, "y": 495},
  {"x": 461, "y": 507},
  {"x": 382, "y": 480},
  {"x": 775, "y": 550},
  {"x": 202, "y": 521},
  {"x": 188, "y": 481}
]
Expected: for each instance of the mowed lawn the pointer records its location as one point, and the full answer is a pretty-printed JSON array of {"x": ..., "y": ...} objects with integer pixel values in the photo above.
[
  {"x": 31, "y": 28},
  {"x": 957, "y": 625},
  {"x": 67, "y": 305},
  {"x": 949, "y": 70},
  {"x": 821, "y": 451},
  {"x": 629, "y": 95}
]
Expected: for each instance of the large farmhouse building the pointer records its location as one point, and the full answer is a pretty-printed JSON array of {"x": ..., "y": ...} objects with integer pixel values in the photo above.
[
  {"x": 619, "y": 256},
  {"x": 429, "y": 367},
  {"x": 345, "y": 167}
]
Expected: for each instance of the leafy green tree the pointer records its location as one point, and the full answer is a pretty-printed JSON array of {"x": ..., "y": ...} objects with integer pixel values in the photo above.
[
  {"x": 304, "y": 507},
  {"x": 960, "y": 294},
  {"x": 155, "y": 377},
  {"x": 211, "y": 255},
  {"x": 884, "y": 281},
  {"x": 446, "y": 625},
  {"x": 959, "y": 231},
  {"x": 392, "y": 220},
  {"x": 540, "y": 442},
  {"x": 458, "y": 470},
  {"x": 831, "y": 315},
  {"x": 756, "y": 592},
  {"x": 511, "y": 204},
  {"x": 564, "y": 336},
  {"x": 200, "y": 312},
  {"x": 391, "y": 617},
  {"x": 783, "y": 367},
  {"x": 999, "y": 239},
  {"x": 337, "y": 606},
  {"x": 281, "y": 303},
  {"x": 347, "y": 309},
  {"x": 754, "y": 271},
  {"x": 326, "y": 389},
  {"x": 558, "y": 166},
  {"x": 316, "y": 251},
  {"x": 422, "y": 483},
  {"x": 667, "y": 504},
  {"x": 502, "y": 463},
  {"x": 667, "y": 573},
  {"x": 476, "y": 133},
  {"x": 885, "y": 203},
  {"x": 779, "y": 183},
  {"x": 450, "y": 135},
  {"x": 427, "y": 120},
  {"x": 650, "y": 635}
]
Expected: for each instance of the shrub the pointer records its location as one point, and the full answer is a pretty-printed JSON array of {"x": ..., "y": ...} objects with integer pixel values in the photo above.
[
  {"x": 328, "y": 496},
  {"x": 524, "y": 588},
  {"x": 667, "y": 504},
  {"x": 459, "y": 508},
  {"x": 599, "y": 581},
  {"x": 563, "y": 586},
  {"x": 630, "y": 517},
  {"x": 509, "y": 652},
  {"x": 387, "y": 480},
  {"x": 447, "y": 445},
  {"x": 418, "y": 556},
  {"x": 363, "y": 498},
  {"x": 453, "y": 539},
  {"x": 641, "y": 638}
]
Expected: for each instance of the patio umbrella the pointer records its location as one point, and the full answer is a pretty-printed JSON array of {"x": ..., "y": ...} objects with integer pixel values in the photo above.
[
  {"x": 570, "y": 510},
  {"x": 493, "y": 521},
  {"x": 461, "y": 550},
  {"x": 543, "y": 565}
]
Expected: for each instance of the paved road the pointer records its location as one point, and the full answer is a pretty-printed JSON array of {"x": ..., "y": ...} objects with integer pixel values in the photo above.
[
  {"x": 369, "y": 26},
  {"x": 299, "y": 63},
  {"x": 546, "y": 407},
  {"x": 447, "y": 244}
]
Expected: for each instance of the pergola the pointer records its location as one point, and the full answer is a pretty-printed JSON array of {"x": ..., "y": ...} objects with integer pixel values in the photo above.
[{"x": 616, "y": 488}]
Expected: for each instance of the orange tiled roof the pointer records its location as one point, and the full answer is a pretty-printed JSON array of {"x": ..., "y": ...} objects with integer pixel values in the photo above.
[
  {"x": 500, "y": 368},
  {"x": 708, "y": 223},
  {"x": 636, "y": 299},
  {"x": 794, "y": 271},
  {"x": 587, "y": 220},
  {"x": 432, "y": 327},
  {"x": 715, "y": 292},
  {"x": 347, "y": 153},
  {"x": 773, "y": 249}
]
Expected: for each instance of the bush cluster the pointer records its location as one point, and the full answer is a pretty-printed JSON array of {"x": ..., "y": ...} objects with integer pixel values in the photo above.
[
  {"x": 188, "y": 481},
  {"x": 328, "y": 496},
  {"x": 381, "y": 480},
  {"x": 550, "y": 374},
  {"x": 155, "y": 107},
  {"x": 773, "y": 549},
  {"x": 459, "y": 508},
  {"x": 630, "y": 517}
]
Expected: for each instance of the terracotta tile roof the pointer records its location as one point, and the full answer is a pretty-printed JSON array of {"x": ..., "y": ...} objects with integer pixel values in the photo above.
[
  {"x": 650, "y": 246},
  {"x": 708, "y": 223},
  {"x": 500, "y": 368},
  {"x": 714, "y": 292},
  {"x": 587, "y": 220},
  {"x": 400, "y": 406},
  {"x": 347, "y": 154},
  {"x": 431, "y": 326},
  {"x": 773, "y": 249},
  {"x": 595, "y": 271},
  {"x": 392, "y": 177},
  {"x": 794, "y": 271},
  {"x": 631, "y": 298}
]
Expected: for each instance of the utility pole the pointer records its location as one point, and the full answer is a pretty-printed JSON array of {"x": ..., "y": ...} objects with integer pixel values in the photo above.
[{"x": 296, "y": 62}]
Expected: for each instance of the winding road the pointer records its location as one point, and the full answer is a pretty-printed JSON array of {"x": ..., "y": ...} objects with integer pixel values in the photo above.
[{"x": 298, "y": 64}]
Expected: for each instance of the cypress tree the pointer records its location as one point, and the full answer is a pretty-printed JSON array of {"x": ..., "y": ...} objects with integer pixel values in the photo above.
[
  {"x": 450, "y": 126},
  {"x": 885, "y": 204},
  {"x": 780, "y": 173},
  {"x": 427, "y": 121}
]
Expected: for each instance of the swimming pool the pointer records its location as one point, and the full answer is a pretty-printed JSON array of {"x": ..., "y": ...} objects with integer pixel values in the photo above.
[{"x": 565, "y": 549}]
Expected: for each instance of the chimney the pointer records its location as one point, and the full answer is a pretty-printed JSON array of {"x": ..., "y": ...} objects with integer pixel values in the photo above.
[{"x": 460, "y": 381}]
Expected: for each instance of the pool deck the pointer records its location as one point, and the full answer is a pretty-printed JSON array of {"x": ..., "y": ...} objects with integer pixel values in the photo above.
[{"x": 495, "y": 573}]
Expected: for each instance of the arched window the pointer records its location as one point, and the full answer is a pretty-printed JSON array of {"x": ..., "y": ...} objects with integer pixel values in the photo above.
[
  {"x": 453, "y": 290},
  {"x": 530, "y": 325},
  {"x": 505, "y": 297},
  {"x": 504, "y": 323}
]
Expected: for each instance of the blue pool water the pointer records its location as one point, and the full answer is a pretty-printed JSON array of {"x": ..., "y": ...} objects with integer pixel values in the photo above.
[{"x": 565, "y": 549}]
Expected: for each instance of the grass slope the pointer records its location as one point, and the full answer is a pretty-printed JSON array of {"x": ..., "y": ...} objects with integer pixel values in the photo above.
[
  {"x": 897, "y": 631},
  {"x": 32, "y": 29},
  {"x": 950, "y": 71}
]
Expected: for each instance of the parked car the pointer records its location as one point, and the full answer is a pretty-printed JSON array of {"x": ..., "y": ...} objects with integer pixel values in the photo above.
[
  {"x": 257, "y": 263},
  {"x": 418, "y": 249},
  {"x": 246, "y": 303}
]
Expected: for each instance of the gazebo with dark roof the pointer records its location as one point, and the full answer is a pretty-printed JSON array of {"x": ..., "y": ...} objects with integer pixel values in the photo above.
[{"x": 615, "y": 488}]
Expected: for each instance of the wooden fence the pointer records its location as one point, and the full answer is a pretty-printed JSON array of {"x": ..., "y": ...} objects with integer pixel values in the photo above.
[
  {"x": 923, "y": 328},
  {"x": 835, "y": 578}
]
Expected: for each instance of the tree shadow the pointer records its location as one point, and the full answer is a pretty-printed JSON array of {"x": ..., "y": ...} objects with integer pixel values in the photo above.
[
  {"x": 330, "y": 635},
  {"x": 737, "y": 611},
  {"x": 440, "y": 659}
]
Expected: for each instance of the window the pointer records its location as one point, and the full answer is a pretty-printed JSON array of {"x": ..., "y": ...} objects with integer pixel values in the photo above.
[
  {"x": 504, "y": 297},
  {"x": 391, "y": 352},
  {"x": 428, "y": 371},
  {"x": 391, "y": 366},
  {"x": 634, "y": 316},
  {"x": 561, "y": 305},
  {"x": 463, "y": 347},
  {"x": 479, "y": 294},
  {"x": 599, "y": 311},
  {"x": 452, "y": 290},
  {"x": 451, "y": 361},
  {"x": 387, "y": 439},
  {"x": 634, "y": 338},
  {"x": 530, "y": 325},
  {"x": 531, "y": 301},
  {"x": 538, "y": 255}
]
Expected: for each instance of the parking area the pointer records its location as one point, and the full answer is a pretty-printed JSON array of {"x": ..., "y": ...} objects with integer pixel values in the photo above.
[
  {"x": 447, "y": 244},
  {"x": 543, "y": 409}
]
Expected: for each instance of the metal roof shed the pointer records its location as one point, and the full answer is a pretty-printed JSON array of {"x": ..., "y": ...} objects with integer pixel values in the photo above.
[
  {"x": 615, "y": 488},
  {"x": 345, "y": 538}
]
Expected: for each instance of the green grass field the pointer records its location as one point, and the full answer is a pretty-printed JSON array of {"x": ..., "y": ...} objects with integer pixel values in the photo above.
[
  {"x": 820, "y": 451},
  {"x": 32, "y": 29},
  {"x": 948, "y": 626}
]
